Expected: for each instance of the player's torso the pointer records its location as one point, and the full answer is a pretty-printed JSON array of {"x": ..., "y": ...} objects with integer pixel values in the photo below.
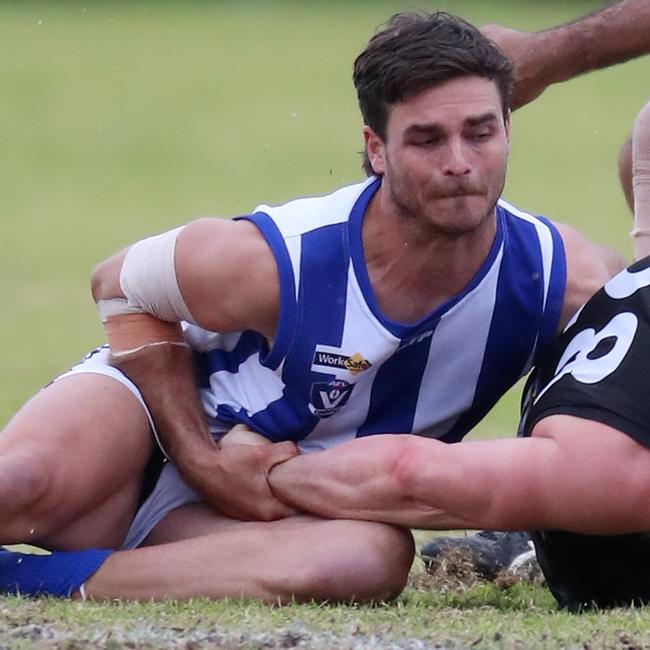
[{"x": 339, "y": 369}]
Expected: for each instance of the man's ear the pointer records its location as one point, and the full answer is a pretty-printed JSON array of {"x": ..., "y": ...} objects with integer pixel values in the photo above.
[{"x": 374, "y": 150}]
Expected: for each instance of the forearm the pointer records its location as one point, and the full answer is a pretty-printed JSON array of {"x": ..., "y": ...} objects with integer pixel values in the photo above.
[
  {"x": 231, "y": 478},
  {"x": 152, "y": 353},
  {"x": 606, "y": 37},
  {"x": 409, "y": 481},
  {"x": 565, "y": 477},
  {"x": 609, "y": 36},
  {"x": 165, "y": 377},
  {"x": 355, "y": 480},
  {"x": 142, "y": 303},
  {"x": 641, "y": 183}
]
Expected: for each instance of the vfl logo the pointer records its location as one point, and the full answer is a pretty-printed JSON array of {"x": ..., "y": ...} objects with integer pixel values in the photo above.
[
  {"x": 354, "y": 364},
  {"x": 327, "y": 397}
]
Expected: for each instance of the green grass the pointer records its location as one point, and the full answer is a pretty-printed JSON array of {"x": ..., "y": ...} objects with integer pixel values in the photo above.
[
  {"x": 119, "y": 119},
  {"x": 480, "y": 617}
]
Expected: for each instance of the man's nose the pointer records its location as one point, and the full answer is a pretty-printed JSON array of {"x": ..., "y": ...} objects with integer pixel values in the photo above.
[{"x": 455, "y": 162}]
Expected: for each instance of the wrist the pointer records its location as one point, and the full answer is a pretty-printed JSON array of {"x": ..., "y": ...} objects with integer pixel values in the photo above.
[
  {"x": 283, "y": 481},
  {"x": 195, "y": 458}
]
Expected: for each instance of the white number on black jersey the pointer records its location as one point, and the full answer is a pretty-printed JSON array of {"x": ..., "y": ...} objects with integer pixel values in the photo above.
[{"x": 592, "y": 355}]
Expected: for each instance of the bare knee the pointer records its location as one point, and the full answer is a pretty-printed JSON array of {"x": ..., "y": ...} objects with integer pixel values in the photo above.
[
  {"x": 25, "y": 482},
  {"x": 362, "y": 562},
  {"x": 384, "y": 560}
]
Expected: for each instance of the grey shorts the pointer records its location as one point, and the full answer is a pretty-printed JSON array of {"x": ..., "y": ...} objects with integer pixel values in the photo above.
[{"x": 171, "y": 491}]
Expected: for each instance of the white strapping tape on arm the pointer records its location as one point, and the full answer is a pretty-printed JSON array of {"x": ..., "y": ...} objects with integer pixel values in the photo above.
[
  {"x": 148, "y": 278},
  {"x": 115, "y": 307}
]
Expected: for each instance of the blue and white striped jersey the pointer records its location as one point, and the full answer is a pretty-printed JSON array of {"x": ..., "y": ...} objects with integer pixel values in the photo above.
[{"x": 339, "y": 369}]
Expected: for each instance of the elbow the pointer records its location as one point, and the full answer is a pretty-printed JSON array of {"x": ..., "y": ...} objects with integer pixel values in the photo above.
[
  {"x": 98, "y": 282},
  {"x": 105, "y": 278}
]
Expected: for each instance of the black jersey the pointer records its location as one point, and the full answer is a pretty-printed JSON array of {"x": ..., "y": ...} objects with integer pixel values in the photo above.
[{"x": 599, "y": 367}]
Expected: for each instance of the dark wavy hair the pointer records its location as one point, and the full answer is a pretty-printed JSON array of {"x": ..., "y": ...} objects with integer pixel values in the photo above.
[{"x": 414, "y": 52}]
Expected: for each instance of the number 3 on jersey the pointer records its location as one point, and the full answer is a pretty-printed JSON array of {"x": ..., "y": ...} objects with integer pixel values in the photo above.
[{"x": 592, "y": 355}]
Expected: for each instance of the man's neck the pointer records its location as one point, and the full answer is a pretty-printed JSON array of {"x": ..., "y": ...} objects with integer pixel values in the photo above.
[{"x": 414, "y": 267}]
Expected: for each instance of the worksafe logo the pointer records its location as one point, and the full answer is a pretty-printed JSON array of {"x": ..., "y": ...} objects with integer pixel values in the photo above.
[
  {"x": 327, "y": 397},
  {"x": 324, "y": 358}
]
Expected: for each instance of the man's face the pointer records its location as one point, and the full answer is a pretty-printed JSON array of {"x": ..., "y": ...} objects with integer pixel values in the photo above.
[{"x": 444, "y": 156}]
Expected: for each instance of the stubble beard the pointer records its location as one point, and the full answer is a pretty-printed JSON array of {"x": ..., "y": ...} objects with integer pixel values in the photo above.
[{"x": 435, "y": 225}]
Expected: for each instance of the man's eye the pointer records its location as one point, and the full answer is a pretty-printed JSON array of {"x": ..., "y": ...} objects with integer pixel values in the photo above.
[
  {"x": 479, "y": 136},
  {"x": 427, "y": 142}
]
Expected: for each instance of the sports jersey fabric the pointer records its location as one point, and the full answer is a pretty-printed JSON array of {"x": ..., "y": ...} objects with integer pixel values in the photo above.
[
  {"x": 597, "y": 367},
  {"x": 338, "y": 368},
  {"x": 597, "y": 370}
]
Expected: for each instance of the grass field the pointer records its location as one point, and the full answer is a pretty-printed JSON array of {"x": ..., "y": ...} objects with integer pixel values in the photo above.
[{"x": 119, "y": 119}]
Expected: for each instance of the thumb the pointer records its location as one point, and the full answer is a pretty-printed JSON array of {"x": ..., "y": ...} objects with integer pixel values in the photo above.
[{"x": 280, "y": 452}]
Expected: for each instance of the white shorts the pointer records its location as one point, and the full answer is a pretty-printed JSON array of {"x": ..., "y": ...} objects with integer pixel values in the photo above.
[{"x": 171, "y": 491}]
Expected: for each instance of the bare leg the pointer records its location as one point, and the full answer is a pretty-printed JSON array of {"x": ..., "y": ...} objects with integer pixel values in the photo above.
[
  {"x": 300, "y": 558},
  {"x": 70, "y": 465}
]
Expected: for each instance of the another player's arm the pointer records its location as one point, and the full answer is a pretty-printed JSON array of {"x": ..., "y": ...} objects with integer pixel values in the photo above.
[
  {"x": 641, "y": 183},
  {"x": 612, "y": 35},
  {"x": 226, "y": 278},
  {"x": 567, "y": 476}
]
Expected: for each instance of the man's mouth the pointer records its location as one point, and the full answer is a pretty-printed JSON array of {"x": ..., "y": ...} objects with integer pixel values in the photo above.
[
  {"x": 457, "y": 194},
  {"x": 455, "y": 191}
]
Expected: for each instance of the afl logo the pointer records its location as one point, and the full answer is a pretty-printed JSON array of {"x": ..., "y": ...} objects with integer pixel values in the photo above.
[{"x": 328, "y": 397}]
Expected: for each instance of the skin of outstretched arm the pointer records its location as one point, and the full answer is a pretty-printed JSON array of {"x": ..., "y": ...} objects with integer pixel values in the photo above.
[
  {"x": 566, "y": 476},
  {"x": 215, "y": 261},
  {"x": 606, "y": 37}
]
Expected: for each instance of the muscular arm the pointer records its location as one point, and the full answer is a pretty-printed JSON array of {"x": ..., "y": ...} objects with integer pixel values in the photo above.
[
  {"x": 228, "y": 281},
  {"x": 567, "y": 476},
  {"x": 612, "y": 35}
]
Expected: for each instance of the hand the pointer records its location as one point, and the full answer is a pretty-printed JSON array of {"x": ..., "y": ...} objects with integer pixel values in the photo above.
[
  {"x": 240, "y": 434},
  {"x": 527, "y": 54},
  {"x": 234, "y": 479}
]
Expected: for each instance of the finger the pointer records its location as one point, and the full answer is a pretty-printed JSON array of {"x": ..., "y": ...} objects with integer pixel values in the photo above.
[
  {"x": 240, "y": 434},
  {"x": 274, "y": 510},
  {"x": 281, "y": 451}
]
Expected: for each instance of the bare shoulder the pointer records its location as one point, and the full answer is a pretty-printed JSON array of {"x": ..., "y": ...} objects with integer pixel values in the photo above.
[
  {"x": 589, "y": 267},
  {"x": 228, "y": 275}
]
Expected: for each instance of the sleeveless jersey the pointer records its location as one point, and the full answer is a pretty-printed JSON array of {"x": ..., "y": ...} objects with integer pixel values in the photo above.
[
  {"x": 339, "y": 369},
  {"x": 598, "y": 367}
]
